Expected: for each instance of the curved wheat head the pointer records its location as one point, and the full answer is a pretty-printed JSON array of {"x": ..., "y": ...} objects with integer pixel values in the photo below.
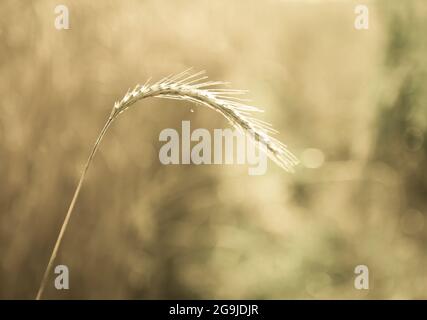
[{"x": 192, "y": 87}]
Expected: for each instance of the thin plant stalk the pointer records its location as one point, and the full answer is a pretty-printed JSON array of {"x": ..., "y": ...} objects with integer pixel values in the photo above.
[{"x": 70, "y": 209}]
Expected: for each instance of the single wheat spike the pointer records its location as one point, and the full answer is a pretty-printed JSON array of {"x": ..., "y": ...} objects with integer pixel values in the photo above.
[{"x": 191, "y": 87}]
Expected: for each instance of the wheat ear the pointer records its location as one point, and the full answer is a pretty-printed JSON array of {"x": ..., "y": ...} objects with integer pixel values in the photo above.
[{"x": 191, "y": 87}]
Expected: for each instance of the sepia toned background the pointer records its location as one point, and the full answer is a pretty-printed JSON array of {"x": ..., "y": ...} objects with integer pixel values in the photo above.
[{"x": 351, "y": 104}]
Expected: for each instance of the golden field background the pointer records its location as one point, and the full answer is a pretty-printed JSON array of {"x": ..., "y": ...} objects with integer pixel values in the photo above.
[{"x": 142, "y": 230}]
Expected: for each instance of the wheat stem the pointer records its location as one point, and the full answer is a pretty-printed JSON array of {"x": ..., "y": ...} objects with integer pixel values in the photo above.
[{"x": 70, "y": 209}]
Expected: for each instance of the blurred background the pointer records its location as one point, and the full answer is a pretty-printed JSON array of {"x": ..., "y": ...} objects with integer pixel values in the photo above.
[{"x": 351, "y": 104}]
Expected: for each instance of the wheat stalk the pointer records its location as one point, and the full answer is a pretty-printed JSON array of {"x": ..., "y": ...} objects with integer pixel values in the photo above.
[{"x": 191, "y": 87}]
